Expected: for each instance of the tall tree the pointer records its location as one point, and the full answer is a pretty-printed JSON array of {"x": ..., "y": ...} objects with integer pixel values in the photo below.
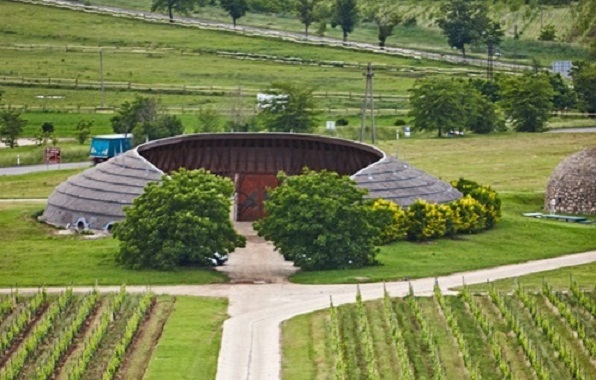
[
  {"x": 11, "y": 127},
  {"x": 584, "y": 83},
  {"x": 463, "y": 22},
  {"x": 346, "y": 15},
  {"x": 438, "y": 104},
  {"x": 384, "y": 15},
  {"x": 180, "y": 6},
  {"x": 291, "y": 108},
  {"x": 235, "y": 8},
  {"x": 306, "y": 10},
  {"x": 527, "y": 100}
]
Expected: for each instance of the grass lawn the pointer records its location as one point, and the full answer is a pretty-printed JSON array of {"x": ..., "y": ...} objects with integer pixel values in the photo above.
[
  {"x": 507, "y": 162},
  {"x": 31, "y": 255},
  {"x": 515, "y": 239},
  {"x": 189, "y": 345},
  {"x": 33, "y": 185},
  {"x": 559, "y": 279}
]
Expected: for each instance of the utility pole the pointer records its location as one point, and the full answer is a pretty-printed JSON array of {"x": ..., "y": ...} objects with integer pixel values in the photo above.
[
  {"x": 103, "y": 95},
  {"x": 368, "y": 95}
]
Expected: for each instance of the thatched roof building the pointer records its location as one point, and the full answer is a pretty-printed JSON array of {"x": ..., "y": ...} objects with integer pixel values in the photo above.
[
  {"x": 95, "y": 198},
  {"x": 571, "y": 188}
]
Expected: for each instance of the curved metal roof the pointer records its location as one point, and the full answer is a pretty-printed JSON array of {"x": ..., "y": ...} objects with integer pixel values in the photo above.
[{"x": 96, "y": 197}]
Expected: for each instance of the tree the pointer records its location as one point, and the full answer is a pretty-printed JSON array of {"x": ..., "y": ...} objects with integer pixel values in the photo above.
[
  {"x": 139, "y": 111},
  {"x": 385, "y": 16},
  {"x": 527, "y": 100},
  {"x": 180, "y": 6},
  {"x": 182, "y": 220},
  {"x": 11, "y": 127},
  {"x": 163, "y": 126},
  {"x": 346, "y": 15},
  {"x": 548, "y": 33},
  {"x": 481, "y": 114},
  {"x": 306, "y": 10},
  {"x": 45, "y": 134},
  {"x": 584, "y": 83},
  {"x": 291, "y": 109},
  {"x": 438, "y": 104},
  {"x": 235, "y": 8},
  {"x": 209, "y": 121},
  {"x": 83, "y": 130},
  {"x": 564, "y": 97},
  {"x": 463, "y": 22},
  {"x": 146, "y": 120},
  {"x": 320, "y": 220}
]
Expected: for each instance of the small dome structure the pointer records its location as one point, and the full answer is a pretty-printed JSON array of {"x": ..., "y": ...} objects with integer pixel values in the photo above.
[
  {"x": 95, "y": 198},
  {"x": 571, "y": 188}
]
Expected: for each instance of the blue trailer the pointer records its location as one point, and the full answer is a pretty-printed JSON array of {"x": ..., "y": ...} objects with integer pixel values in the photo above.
[{"x": 104, "y": 147}]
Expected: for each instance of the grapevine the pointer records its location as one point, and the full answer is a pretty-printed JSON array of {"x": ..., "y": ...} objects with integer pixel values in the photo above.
[
  {"x": 340, "y": 363},
  {"x": 43, "y": 326},
  {"x": 521, "y": 336},
  {"x": 22, "y": 319},
  {"x": 438, "y": 372},
  {"x": 570, "y": 318},
  {"x": 407, "y": 372},
  {"x": 129, "y": 333},
  {"x": 482, "y": 321},
  {"x": 93, "y": 341},
  {"x": 66, "y": 337},
  {"x": 455, "y": 331},
  {"x": 367, "y": 339}
]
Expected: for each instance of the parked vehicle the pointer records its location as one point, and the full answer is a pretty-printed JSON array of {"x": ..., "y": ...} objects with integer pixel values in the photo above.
[{"x": 104, "y": 147}]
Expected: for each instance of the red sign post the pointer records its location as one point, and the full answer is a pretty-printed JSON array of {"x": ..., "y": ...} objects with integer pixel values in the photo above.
[{"x": 52, "y": 155}]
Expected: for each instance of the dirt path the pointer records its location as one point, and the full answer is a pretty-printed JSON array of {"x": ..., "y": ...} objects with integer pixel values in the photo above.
[{"x": 258, "y": 262}]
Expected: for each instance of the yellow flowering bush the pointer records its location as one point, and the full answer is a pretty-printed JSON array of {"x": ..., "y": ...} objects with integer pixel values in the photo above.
[
  {"x": 486, "y": 196},
  {"x": 427, "y": 220},
  {"x": 469, "y": 215},
  {"x": 392, "y": 221}
]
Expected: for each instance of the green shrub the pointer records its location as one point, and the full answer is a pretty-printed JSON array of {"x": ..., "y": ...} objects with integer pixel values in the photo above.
[
  {"x": 468, "y": 215},
  {"x": 399, "y": 122},
  {"x": 487, "y": 197},
  {"x": 341, "y": 122},
  {"x": 391, "y": 219},
  {"x": 426, "y": 220}
]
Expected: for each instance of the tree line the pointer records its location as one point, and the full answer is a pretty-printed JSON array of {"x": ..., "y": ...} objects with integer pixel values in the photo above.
[{"x": 442, "y": 104}]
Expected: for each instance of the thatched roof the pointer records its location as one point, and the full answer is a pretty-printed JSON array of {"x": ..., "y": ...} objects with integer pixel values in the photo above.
[
  {"x": 96, "y": 197},
  {"x": 572, "y": 186}
]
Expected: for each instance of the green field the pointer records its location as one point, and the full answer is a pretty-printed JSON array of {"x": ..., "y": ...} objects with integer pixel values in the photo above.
[
  {"x": 33, "y": 254},
  {"x": 425, "y": 35},
  {"x": 119, "y": 335},
  {"x": 491, "y": 336}
]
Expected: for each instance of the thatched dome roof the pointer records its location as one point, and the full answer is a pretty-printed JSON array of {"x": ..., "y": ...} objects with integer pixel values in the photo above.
[
  {"x": 95, "y": 198},
  {"x": 572, "y": 186}
]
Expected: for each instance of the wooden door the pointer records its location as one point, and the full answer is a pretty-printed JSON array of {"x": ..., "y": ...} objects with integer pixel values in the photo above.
[{"x": 252, "y": 191}]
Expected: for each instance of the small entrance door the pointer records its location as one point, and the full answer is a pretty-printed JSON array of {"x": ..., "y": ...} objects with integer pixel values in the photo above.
[{"x": 252, "y": 191}]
